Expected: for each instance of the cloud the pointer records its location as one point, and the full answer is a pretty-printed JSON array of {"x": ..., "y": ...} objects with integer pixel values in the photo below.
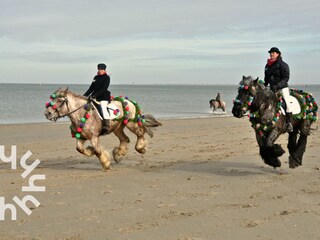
[{"x": 141, "y": 38}]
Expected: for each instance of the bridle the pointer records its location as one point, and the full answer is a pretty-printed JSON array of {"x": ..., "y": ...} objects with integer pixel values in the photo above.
[
  {"x": 57, "y": 109},
  {"x": 245, "y": 106}
]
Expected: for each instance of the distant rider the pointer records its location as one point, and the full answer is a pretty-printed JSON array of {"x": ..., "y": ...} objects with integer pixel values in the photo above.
[
  {"x": 218, "y": 99},
  {"x": 276, "y": 73},
  {"x": 99, "y": 90}
]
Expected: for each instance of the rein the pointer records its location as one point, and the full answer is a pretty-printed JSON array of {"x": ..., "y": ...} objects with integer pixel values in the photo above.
[{"x": 69, "y": 113}]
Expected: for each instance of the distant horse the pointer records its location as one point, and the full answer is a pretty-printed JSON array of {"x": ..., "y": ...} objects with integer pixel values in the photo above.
[
  {"x": 268, "y": 120},
  {"x": 216, "y": 105},
  {"x": 86, "y": 124}
]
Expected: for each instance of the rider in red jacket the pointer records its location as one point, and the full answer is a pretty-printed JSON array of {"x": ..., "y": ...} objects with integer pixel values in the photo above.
[{"x": 277, "y": 73}]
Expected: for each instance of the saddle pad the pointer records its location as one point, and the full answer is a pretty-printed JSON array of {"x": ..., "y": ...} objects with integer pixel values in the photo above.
[
  {"x": 294, "y": 105},
  {"x": 110, "y": 110}
]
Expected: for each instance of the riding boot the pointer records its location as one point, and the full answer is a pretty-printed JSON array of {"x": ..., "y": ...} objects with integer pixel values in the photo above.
[
  {"x": 105, "y": 126},
  {"x": 289, "y": 126}
]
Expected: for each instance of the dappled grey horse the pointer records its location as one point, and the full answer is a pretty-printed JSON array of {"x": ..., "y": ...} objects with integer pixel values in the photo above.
[
  {"x": 268, "y": 120},
  {"x": 86, "y": 124}
]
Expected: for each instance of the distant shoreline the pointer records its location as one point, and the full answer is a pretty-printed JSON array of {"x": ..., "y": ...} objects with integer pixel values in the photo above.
[
  {"x": 67, "y": 121},
  {"x": 146, "y": 84}
]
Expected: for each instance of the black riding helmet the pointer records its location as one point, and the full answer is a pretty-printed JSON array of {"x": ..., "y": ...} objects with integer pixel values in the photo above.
[
  {"x": 102, "y": 66},
  {"x": 274, "y": 49}
]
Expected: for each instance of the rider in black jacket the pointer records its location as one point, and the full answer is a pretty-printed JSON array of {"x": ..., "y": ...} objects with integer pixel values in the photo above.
[
  {"x": 99, "y": 90},
  {"x": 218, "y": 99},
  {"x": 277, "y": 73}
]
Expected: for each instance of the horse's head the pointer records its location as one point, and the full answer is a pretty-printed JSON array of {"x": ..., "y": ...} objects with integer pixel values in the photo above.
[
  {"x": 247, "y": 93},
  {"x": 57, "y": 106},
  {"x": 211, "y": 103}
]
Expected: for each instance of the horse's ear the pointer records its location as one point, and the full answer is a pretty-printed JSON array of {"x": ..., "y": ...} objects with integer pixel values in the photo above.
[
  {"x": 243, "y": 77},
  {"x": 65, "y": 91},
  {"x": 256, "y": 80}
]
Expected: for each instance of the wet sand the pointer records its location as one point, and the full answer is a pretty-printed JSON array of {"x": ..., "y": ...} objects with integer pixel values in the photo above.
[{"x": 200, "y": 179}]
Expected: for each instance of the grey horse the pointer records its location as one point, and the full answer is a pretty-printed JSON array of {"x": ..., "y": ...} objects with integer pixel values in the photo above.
[
  {"x": 87, "y": 125},
  {"x": 268, "y": 120}
]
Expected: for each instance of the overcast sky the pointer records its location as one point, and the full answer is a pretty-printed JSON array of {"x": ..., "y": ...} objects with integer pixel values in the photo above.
[{"x": 156, "y": 41}]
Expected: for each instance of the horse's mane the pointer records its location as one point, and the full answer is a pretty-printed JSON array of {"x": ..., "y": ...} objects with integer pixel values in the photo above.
[
  {"x": 77, "y": 95},
  {"x": 67, "y": 91},
  {"x": 250, "y": 81},
  {"x": 247, "y": 81}
]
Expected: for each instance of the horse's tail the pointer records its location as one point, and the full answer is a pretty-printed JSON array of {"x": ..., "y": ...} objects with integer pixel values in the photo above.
[{"x": 150, "y": 124}]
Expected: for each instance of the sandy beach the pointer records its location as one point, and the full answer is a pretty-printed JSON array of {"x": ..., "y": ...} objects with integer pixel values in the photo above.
[{"x": 200, "y": 179}]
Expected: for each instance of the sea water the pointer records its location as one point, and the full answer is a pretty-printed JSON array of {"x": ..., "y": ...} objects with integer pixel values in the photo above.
[{"x": 25, "y": 103}]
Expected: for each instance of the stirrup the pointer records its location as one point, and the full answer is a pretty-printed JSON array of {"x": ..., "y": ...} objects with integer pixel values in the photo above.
[{"x": 105, "y": 129}]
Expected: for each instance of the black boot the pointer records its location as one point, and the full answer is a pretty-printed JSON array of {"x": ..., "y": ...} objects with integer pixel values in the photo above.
[
  {"x": 105, "y": 126},
  {"x": 289, "y": 126}
]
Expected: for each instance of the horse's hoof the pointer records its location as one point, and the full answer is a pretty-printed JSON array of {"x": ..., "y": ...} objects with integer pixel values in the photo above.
[
  {"x": 293, "y": 162},
  {"x": 117, "y": 158},
  {"x": 278, "y": 150},
  {"x": 273, "y": 162},
  {"x": 276, "y": 164},
  {"x": 106, "y": 167},
  {"x": 141, "y": 150}
]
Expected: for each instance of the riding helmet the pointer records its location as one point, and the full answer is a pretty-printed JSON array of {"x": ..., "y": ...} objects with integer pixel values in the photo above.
[
  {"x": 102, "y": 66},
  {"x": 274, "y": 49}
]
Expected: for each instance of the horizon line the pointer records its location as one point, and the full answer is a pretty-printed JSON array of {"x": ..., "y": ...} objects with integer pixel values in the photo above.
[{"x": 157, "y": 84}]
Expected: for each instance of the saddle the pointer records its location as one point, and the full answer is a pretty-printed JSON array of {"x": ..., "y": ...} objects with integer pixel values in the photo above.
[
  {"x": 294, "y": 105},
  {"x": 111, "y": 110}
]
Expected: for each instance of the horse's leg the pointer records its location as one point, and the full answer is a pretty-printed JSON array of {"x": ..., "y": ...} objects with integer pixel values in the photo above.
[
  {"x": 292, "y": 142},
  {"x": 275, "y": 149},
  {"x": 102, "y": 154},
  {"x": 297, "y": 146},
  {"x": 87, "y": 151},
  {"x": 270, "y": 151},
  {"x": 119, "y": 152},
  {"x": 295, "y": 158},
  {"x": 141, "y": 143},
  {"x": 264, "y": 152},
  {"x": 272, "y": 137}
]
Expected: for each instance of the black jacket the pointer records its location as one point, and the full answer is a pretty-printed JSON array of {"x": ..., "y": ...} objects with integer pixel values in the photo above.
[
  {"x": 99, "y": 88},
  {"x": 277, "y": 75}
]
